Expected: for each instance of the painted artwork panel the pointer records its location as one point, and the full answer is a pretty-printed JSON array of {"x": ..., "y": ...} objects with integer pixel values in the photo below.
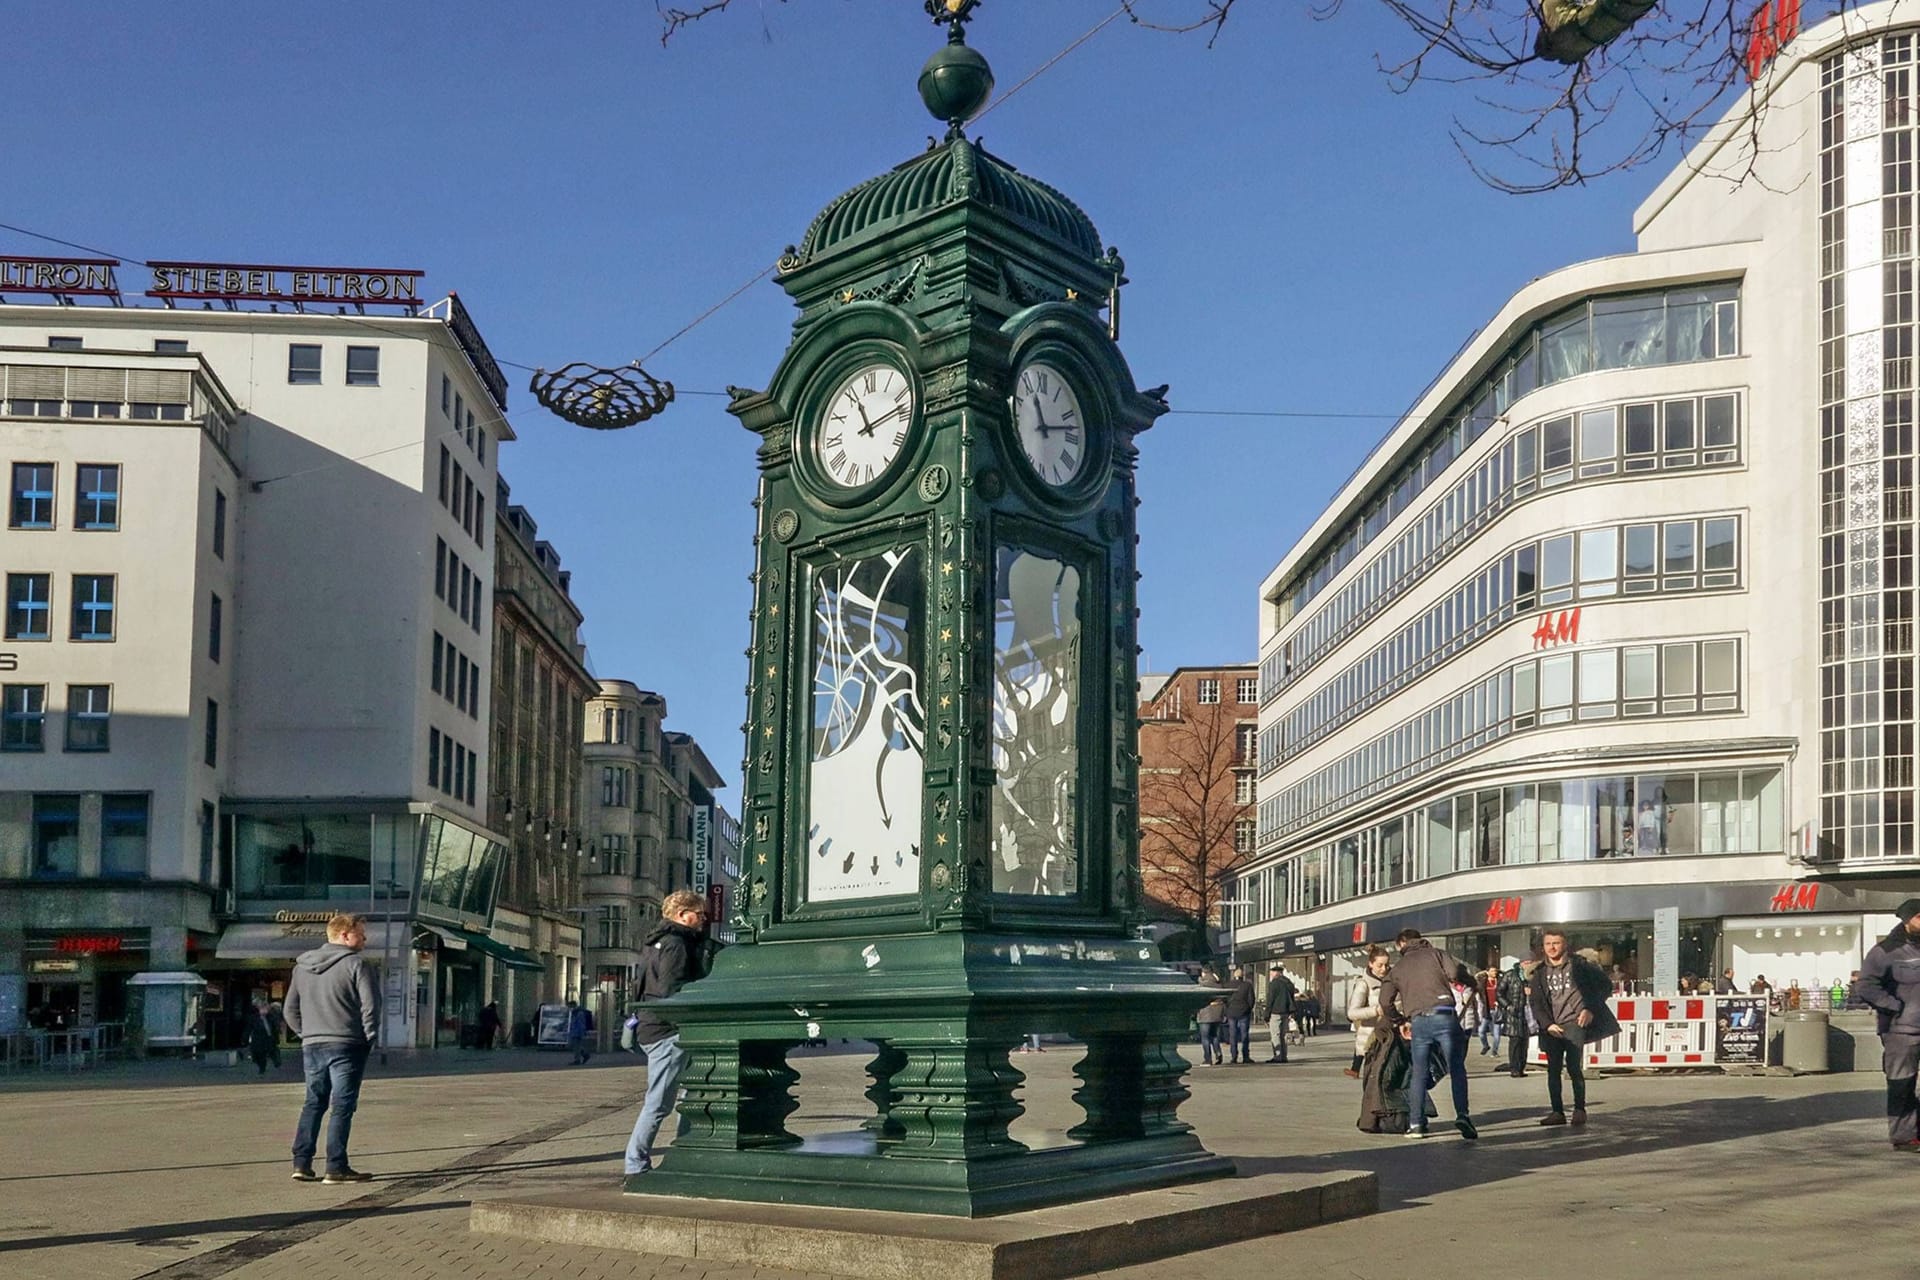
[
  {"x": 1036, "y": 714},
  {"x": 868, "y": 736}
]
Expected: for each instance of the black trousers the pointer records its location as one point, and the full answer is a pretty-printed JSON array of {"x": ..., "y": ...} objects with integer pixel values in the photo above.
[
  {"x": 1562, "y": 1056},
  {"x": 1517, "y": 1049}
]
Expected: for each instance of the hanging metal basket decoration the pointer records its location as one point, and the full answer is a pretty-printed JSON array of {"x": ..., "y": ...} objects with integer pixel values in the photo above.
[{"x": 603, "y": 399}]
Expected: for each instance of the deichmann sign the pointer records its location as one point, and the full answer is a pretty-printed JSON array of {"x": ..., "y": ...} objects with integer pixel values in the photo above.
[
  {"x": 88, "y": 277},
  {"x": 251, "y": 282},
  {"x": 702, "y": 848}
]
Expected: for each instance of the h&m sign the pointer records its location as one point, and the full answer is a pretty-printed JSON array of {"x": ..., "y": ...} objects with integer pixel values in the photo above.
[
  {"x": 1775, "y": 24},
  {"x": 1804, "y": 896},
  {"x": 1557, "y": 628}
]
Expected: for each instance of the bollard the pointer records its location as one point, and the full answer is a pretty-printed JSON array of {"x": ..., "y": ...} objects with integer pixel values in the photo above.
[{"x": 1803, "y": 1041}]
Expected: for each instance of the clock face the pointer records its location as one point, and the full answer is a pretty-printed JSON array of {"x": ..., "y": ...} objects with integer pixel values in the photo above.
[
  {"x": 865, "y": 425},
  {"x": 1047, "y": 418}
]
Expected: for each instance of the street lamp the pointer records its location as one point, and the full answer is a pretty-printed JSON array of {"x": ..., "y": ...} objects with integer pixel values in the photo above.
[{"x": 1231, "y": 940}]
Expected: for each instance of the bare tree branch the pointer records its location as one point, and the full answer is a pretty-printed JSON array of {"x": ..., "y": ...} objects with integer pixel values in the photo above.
[
  {"x": 1188, "y": 809},
  {"x": 1214, "y": 19}
]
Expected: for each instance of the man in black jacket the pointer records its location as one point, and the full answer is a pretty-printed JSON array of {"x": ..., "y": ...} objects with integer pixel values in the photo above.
[
  {"x": 1280, "y": 993},
  {"x": 1890, "y": 982},
  {"x": 1240, "y": 1017},
  {"x": 1570, "y": 1005},
  {"x": 677, "y": 952}
]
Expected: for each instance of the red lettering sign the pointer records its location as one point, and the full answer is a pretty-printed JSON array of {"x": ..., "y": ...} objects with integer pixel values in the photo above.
[
  {"x": 1774, "y": 27},
  {"x": 1503, "y": 911},
  {"x": 1796, "y": 897},
  {"x": 1360, "y": 931},
  {"x": 1557, "y": 628},
  {"x": 90, "y": 945}
]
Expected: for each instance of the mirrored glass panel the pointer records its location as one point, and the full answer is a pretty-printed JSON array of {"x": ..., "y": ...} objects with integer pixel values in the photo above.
[{"x": 1036, "y": 704}]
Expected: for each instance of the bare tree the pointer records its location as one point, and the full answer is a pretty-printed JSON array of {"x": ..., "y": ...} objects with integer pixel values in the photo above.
[
  {"x": 1557, "y": 92},
  {"x": 1188, "y": 757}
]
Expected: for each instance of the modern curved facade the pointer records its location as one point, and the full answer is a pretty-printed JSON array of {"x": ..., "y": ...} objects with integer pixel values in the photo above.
[{"x": 1620, "y": 617}]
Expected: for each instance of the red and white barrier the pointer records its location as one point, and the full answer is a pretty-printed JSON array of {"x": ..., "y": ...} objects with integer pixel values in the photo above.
[{"x": 1679, "y": 1031}]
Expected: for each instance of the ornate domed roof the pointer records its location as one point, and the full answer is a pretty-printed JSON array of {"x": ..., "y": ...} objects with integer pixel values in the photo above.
[{"x": 950, "y": 173}]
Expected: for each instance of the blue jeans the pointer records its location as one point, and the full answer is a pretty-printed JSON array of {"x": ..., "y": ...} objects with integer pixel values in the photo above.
[
  {"x": 1437, "y": 1033},
  {"x": 333, "y": 1071},
  {"x": 1489, "y": 1035},
  {"x": 665, "y": 1062},
  {"x": 1209, "y": 1042},
  {"x": 1240, "y": 1038}
]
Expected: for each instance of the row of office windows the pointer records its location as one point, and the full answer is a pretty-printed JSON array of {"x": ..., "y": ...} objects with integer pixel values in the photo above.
[
  {"x": 1670, "y": 678},
  {"x": 453, "y": 406},
  {"x": 34, "y": 496},
  {"x": 23, "y": 717},
  {"x": 463, "y": 590},
  {"x": 461, "y": 498},
  {"x": 1590, "y": 447},
  {"x": 30, "y": 607},
  {"x": 1644, "y": 558},
  {"x": 55, "y": 839},
  {"x": 1624, "y": 331},
  {"x": 103, "y": 394},
  {"x": 1654, "y": 815},
  {"x": 304, "y": 365},
  {"x": 451, "y": 768},
  {"x": 456, "y": 677}
]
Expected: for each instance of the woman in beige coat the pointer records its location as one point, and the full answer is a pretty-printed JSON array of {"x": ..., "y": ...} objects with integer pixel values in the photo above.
[{"x": 1363, "y": 1004}]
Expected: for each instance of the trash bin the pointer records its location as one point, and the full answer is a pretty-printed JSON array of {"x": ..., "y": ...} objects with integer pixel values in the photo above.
[{"x": 1803, "y": 1040}]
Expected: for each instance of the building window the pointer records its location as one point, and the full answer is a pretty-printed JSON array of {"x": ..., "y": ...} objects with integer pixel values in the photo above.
[
  {"x": 215, "y": 608},
  {"x": 89, "y": 716},
  {"x": 446, "y": 473},
  {"x": 56, "y": 835},
  {"x": 446, "y": 394},
  {"x": 363, "y": 366},
  {"x": 92, "y": 606},
  {"x": 480, "y": 520},
  {"x": 473, "y": 690},
  {"x": 459, "y": 410},
  {"x": 433, "y": 758},
  {"x": 613, "y": 926},
  {"x": 219, "y": 524},
  {"x": 123, "y": 835},
  {"x": 439, "y": 647},
  {"x": 32, "y": 506},
  {"x": 1243, "y": 835},
  {"x": 96, "y": 498},
  {"x": 1243, "y": 788},
  {"x": 1246, "y": 690},
  {"x": 23, "y": 717},
  {"x": 29, "y": 606},
  {"x": 303, "y": 363},
  {"x": 1246, "y": 750},
  {"x": 613, "y": 786},
  {"x": 1209, "y": 692},
  {"x": 210, "y": 752},
  {"x": 613, "y": 854},
  {"x": 480, "y": 447},
  {"x": 170, "y": 346},
  {"x": 473, "y": 770},
  {"x": 63, "y": 343}
]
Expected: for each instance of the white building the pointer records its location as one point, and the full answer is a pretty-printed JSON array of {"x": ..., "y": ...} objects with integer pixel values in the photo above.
[
  {"x": 1620, "y": 616},
  {"x": 246, "y": 648}
]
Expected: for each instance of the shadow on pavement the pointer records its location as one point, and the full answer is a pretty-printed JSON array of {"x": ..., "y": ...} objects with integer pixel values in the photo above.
[{"x": 256, "y": 1222}]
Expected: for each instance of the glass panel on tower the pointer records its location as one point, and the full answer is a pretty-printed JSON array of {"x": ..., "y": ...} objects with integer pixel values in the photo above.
[
  {"x": 869, "y": 728},
  {"x": 1036, "y": 702}
]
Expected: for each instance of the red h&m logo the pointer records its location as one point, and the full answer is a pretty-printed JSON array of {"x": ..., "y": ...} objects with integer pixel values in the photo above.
[
  {"x": 1503, "y": 911},
  {"x": 1557, "y": 628},
  {"x": 1774, "y": 25},
  {"x": 1795, "y": 897},
  {"x": 1360, "y": 931}
]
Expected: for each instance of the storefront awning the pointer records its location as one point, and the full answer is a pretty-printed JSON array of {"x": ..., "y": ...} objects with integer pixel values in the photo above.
[
  {"x": 289, "y": 941},
  {"x": 512, "y": 957}
]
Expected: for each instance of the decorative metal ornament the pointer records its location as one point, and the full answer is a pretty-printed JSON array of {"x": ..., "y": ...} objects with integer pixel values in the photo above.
[{"x": 603, "y": 399}]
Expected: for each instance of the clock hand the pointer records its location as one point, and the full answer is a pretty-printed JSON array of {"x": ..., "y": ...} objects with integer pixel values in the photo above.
[
  {"x": 866, "y": 428},
  {"x": 883, "y": 417}
]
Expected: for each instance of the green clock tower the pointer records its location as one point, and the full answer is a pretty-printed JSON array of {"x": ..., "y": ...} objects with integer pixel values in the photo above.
[{"x": 941, "y": 781}]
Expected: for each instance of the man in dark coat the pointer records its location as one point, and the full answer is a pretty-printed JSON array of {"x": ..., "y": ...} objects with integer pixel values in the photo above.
[
  {"x": 678, "y": 951},
  {"x": 1570, "y": 1005},
  {"x": 1280, "y": 993},
  {"x": 1890, "y": 982},
  {"x": 1240, "y": 1017}
]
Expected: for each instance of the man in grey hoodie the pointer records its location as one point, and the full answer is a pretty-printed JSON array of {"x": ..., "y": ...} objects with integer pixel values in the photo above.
[
  {"x": 1890, "y": 982},
  {"x": 333, "y": 1005}
]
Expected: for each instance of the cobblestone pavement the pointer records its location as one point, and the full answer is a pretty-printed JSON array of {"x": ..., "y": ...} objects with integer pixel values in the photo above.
[{"x": 180, "y": 1172}]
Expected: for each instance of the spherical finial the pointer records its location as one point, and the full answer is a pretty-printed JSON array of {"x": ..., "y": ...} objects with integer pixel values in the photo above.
[{"x": 956, "y": 83}]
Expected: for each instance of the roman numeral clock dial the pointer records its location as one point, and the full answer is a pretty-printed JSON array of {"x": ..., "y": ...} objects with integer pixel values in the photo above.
[
  {"x": 1048, "y": 419},
  {"x": 865, "y": 425}
]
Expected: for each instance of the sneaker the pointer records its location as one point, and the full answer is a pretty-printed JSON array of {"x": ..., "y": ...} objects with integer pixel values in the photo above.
[
  {"x": 1554, "y": 1117},
  {"x": 1350, "y": 1073},
  {"x": 1910, "y": 1145},
  {"x": 1579, "y": 1116},
  {"x": 336, "y": 1176},
  {"x": 1465, "y": 1125},
  {"x": 1417, "y": 1133},
  {"x": 305, "y": 1173}
]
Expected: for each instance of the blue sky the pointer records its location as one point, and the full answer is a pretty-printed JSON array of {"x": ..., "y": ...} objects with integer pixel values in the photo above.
[{"x": 1300, "y": 239}]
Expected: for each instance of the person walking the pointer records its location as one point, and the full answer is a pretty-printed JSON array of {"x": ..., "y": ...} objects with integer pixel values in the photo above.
[
  {"x": 260, "y": 1046},
  {"x": 1210, "y": 1020},
  {"x": 1239, "y": 1019},
  {"x": 1570, "y": 1006},
  {"x": 1417, "y": 1002},
  {"x": 678, "y": 951},
  {"x": 579, "y": 1028},
  {"x": 1491, "y": 1016},
  {"x": 1363, "y": 1005},
  {"x": 1514, "y": 996},
  {"x": 1890, "y": 982},
  {"x": 1466, "y": 1001},
  {"x": 1280, "y": 996},
  {"x": 333, "y": 1005},
  {"x": 489, "y": 1025}
]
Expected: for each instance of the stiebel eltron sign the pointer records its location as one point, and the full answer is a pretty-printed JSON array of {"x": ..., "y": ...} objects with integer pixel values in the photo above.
[
  {"x": 245, "y": 282},
  {"x": 89, "y": 277}
]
